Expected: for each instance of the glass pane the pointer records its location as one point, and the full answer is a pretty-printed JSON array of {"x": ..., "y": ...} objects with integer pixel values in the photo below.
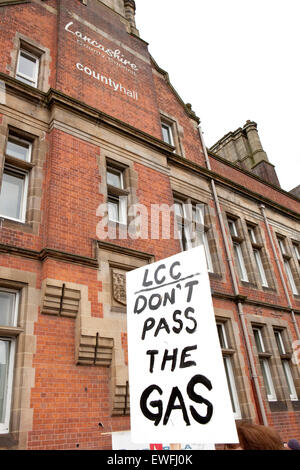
[
  {"x": 232, "y": 228},
  {"x": 252, "y": 235},
  {"x": 240, "y": 262},
  {"x": 166, "y": 132},
  {"x": 260, "y": 268},
  {"x": 297, "y": 252},
  {"x": 25, "y": 80},
  {"x": 27, "y": 65},
  {"x": 220, "y": 329},
  {"x": 290, "y": 276},
  {"x": 114, "y": 178},
  {"x": 18, "y": 149},
  {"x": 264, "y": 368},
  {"x": 7, "y": 308},
  {"x": 229, "y": 383},
  {"x": 11, "y": 195},
  {"x": 4, "y": 362},
  {"x": 113, "y": 210},
  {"x": 279, "y": 342},
  {"x": 258, "y": 341},
  {"x": 289, "y": 380},
  {"x": 178, "y": 209}
]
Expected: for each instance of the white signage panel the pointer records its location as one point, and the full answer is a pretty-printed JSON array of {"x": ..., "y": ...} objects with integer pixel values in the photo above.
[
  {"x": 178, "y": 387},
  {"x": 121, "y": 440}
]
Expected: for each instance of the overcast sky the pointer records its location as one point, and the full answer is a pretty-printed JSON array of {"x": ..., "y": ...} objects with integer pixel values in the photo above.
[{"x": 233, "y": 60}]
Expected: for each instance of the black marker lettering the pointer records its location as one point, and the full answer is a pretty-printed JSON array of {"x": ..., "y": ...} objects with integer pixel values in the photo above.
[
  {"x": 145, "y": 282},
  {"x": 173, "y": 276},
  {"x": 162, "y": 280},
  {"x": 187, "y": 311},
  {"x": 171, "y": 406},
  {"x": 162, "y": 325},
  {"x": 170, "y": 357},
  {"x": 184, "y": 355},
  {"x": 178, "y": 329},
  {"x": 156, "y": 417},
  {"x": 148, "y": 325},
  {"x": 151, "y": 353},
  {"x": 138, "y": 309},
  {"x": 190, "y": 285},
  {"x": 200, "y": 379}
]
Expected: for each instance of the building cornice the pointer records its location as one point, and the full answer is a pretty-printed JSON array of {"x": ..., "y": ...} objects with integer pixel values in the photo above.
[
  {"x": 46, "y": 253},
  {"x": 254, "y": 302},
  {"x": 192, "y": 166}
]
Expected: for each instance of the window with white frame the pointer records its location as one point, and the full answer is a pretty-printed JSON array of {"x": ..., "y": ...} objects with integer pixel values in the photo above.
[
  {"x": 285, "y": 361},
  {"x": 237, "y": 241},
  {"x": 257, "y": 252},
  {"x": 9, "y": 301},
  {"x": 227, "y": 353},
  {"x": 287, "y": 264},
  {"x": 264, "y": 360},
  {"x": 192, "y": 230},
  {"x": 28, "y": 67},
  {"x": 116, "y": 195},
  {"x": 14, "y": 185}
]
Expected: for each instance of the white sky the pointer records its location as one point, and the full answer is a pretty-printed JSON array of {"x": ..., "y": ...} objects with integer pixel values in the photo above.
[{"x": 233, "y": 60}]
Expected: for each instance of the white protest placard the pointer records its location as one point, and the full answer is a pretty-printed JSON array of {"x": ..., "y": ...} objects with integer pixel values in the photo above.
[{"x": 178, "y": 386}]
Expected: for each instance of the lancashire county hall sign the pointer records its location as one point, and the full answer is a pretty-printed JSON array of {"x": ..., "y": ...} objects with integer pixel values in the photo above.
[{"x": 178, "y": 386}]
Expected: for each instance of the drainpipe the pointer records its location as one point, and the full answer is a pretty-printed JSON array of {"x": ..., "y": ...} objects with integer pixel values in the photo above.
[
  {"x": 262, "y": 208},
  {"x": 254, "y": 376}
]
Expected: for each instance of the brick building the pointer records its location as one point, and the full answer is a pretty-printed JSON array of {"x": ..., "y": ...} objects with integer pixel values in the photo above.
[{"x": 87, "y": 118}]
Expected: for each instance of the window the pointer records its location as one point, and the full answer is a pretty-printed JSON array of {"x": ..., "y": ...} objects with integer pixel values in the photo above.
[
  {"x": 8, "y": 319},
  {"x": 237, "y": 248},
  {"x": 13, "y": 196},
  {"x": 167, "y": 133},
  {"x": 227, "y": 359},
  {"x": 191, "y": 227},
  {"x": 287, "y": 264},
  {"x": 27, "y": 68},
  {"x": 296, "y": 249},
  {"x": 116, "y": 195},
  {"x": 264, "y": 360},
  {"x": 285, "y": 360},
  {"x": 257, "y": 249}
]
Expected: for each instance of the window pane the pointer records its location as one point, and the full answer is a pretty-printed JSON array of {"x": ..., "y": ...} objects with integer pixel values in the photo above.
[
  {"x": 167, "y": 135},
  {"x": 289, "y": 380},
  {"x": 113, "y": 210},
  {"x": 264, "y": 368},
  {"x": 252, "y": 235},
  {"x": 178, "y": 209},
  {"x": 7, "y": 308},
  {"x": 4, "y": 364},
  {"x": 12, "y": 195},
  {"x": 290, "y": 276},
  {"x": 279, "y": 342},
  {"x": 222, "y": 338},
  {"x": 258, "y": 341},
  {"x": 240, "y": 262},
  {"x": 297, "y": 252},
  {"x": 27, "y": 65},
  {"x": 229, "y": 384},
  {"x": 260, "y": 268},
  {"x": 232, "y": 228},
  {"x": 18, "y": 149},
  {"x": 114, "y": 178}
]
